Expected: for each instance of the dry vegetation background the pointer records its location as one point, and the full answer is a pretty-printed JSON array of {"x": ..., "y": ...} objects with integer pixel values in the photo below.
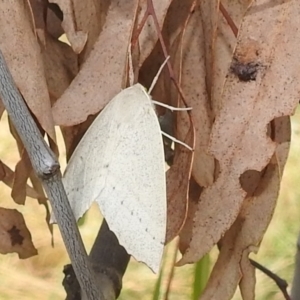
[{"x": 237, "y": 65}]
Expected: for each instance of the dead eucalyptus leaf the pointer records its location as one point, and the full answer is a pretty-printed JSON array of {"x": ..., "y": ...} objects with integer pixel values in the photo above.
[
  {"x": 247, "y": 109},
  {"x": 186, "y": 232},
  {"x": 60, "y": 64},
  {"x": 103, "y": 74},
  {"x": 72, "y": 25},
  {"x": 220, "y": 42},
  {"x": 22, "y": 54},
  {"x": 7, "y": 176},
  {"x": 14, "y": 235},
  {"x": 247, "y": 231},
  {"x": 178, "y": 177},
  {"x": 193, "y": 83}
]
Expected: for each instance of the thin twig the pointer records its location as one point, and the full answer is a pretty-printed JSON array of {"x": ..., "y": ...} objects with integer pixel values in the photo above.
[
  {"x": 281, "y": 283},
  {"x": 228, "y": 19},
  {"x": 47, "y": 169}
]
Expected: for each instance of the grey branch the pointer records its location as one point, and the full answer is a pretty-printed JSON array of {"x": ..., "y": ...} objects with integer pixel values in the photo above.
[{"x": 47, "y": 168}]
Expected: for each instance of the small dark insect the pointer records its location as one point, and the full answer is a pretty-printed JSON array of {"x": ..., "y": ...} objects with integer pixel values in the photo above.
[{"x": 245, "y": 72}]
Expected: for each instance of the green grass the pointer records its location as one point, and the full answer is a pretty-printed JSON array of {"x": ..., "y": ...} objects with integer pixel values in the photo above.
[{"x": 40, "y": 277}]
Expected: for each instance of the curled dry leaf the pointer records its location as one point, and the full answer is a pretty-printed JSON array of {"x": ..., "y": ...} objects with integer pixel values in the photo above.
[
  {"x": 14, "y": 235},
  {"x": 7, "y": 176},
  {"x": 60, "y": 64},
  {"x": 247, "y": 109},
  {"x": 22, "y": 172},
  {"x": 18, "y": 180},
  {"x": 186, "y": 232},
  {"x": 73, "y": 10},
  {"x": 192, "y": 80},
  {"x": 247, "y": 231},
  {"x": 54, "y": 20},
  {"x": 82, "y": 22},
  {"x": 178, "y": 177},
  {"x": 22, "y": 54},
  {"x": 102, "y": 76}
]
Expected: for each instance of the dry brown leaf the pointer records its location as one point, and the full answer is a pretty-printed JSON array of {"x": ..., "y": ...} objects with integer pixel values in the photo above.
[
  {"x": 71, "y": 24},
  {"x": 248, "y": 107},
  {"x": 193, "y": 83},
  {"x": 54, "y": 20},
  {"x": 14, "y": 235},
  {"x": 247, "y": 232},
  {"x": 178, "y": 177},
  {"x": 22, "y": 54},
  {"x": 39, "y": 11},
  {"x": 7, "y": 176},
  {"x": 102, "y": 74},
  {"x": 82, "y": 22},
  {"x": 42, "y": 199},
  {"x": 22, "y": 171},
  {"x": 220, "y": 43},
  {"x": 73, "y": 134},
  {"x": 212, "y": 35},
  {"x": 60, "y": 64},
  {"x": 186, "y": 232}
]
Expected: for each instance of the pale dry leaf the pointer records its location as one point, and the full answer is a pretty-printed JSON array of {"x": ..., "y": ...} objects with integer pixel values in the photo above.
[
  {"x": 42, "y": 199},
  {"x": 178, "y": 177},
  {"x": 102, "y": 74},
  {"x": 186, "y": 232},
  {"x": 22, "y": 171},
  {"x": 71, "y": 24},
  {"x": 220, "y": 43},
  {"x": 211, "y": 27},
  {"x": 262, "y": 213},
  {"x": 227, "y": 272},
  {"x": 193, "y": 83},
  {"x": 247, "y": 232},
  {"x": 92, "y": 21},
  {"x": 82, "y": 22},
  {"x": 14, "y": 235},
  {"x": 7, "y": 176},
  {"x": 73, "y": 134},
  {"x": 60, "y": 64},
  {"x": 248, "y": 281},
  {"x": 248, "y": 107},
  {"x": 22, "y": 54},
  {"x": 39, "y": 12}
]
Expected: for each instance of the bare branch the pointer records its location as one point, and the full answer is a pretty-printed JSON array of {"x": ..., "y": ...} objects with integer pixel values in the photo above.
[{"x": 281, "y": 283}]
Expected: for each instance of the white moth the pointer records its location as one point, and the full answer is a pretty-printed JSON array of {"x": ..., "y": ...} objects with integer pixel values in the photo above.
[{"x": 119, "y": 163}]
